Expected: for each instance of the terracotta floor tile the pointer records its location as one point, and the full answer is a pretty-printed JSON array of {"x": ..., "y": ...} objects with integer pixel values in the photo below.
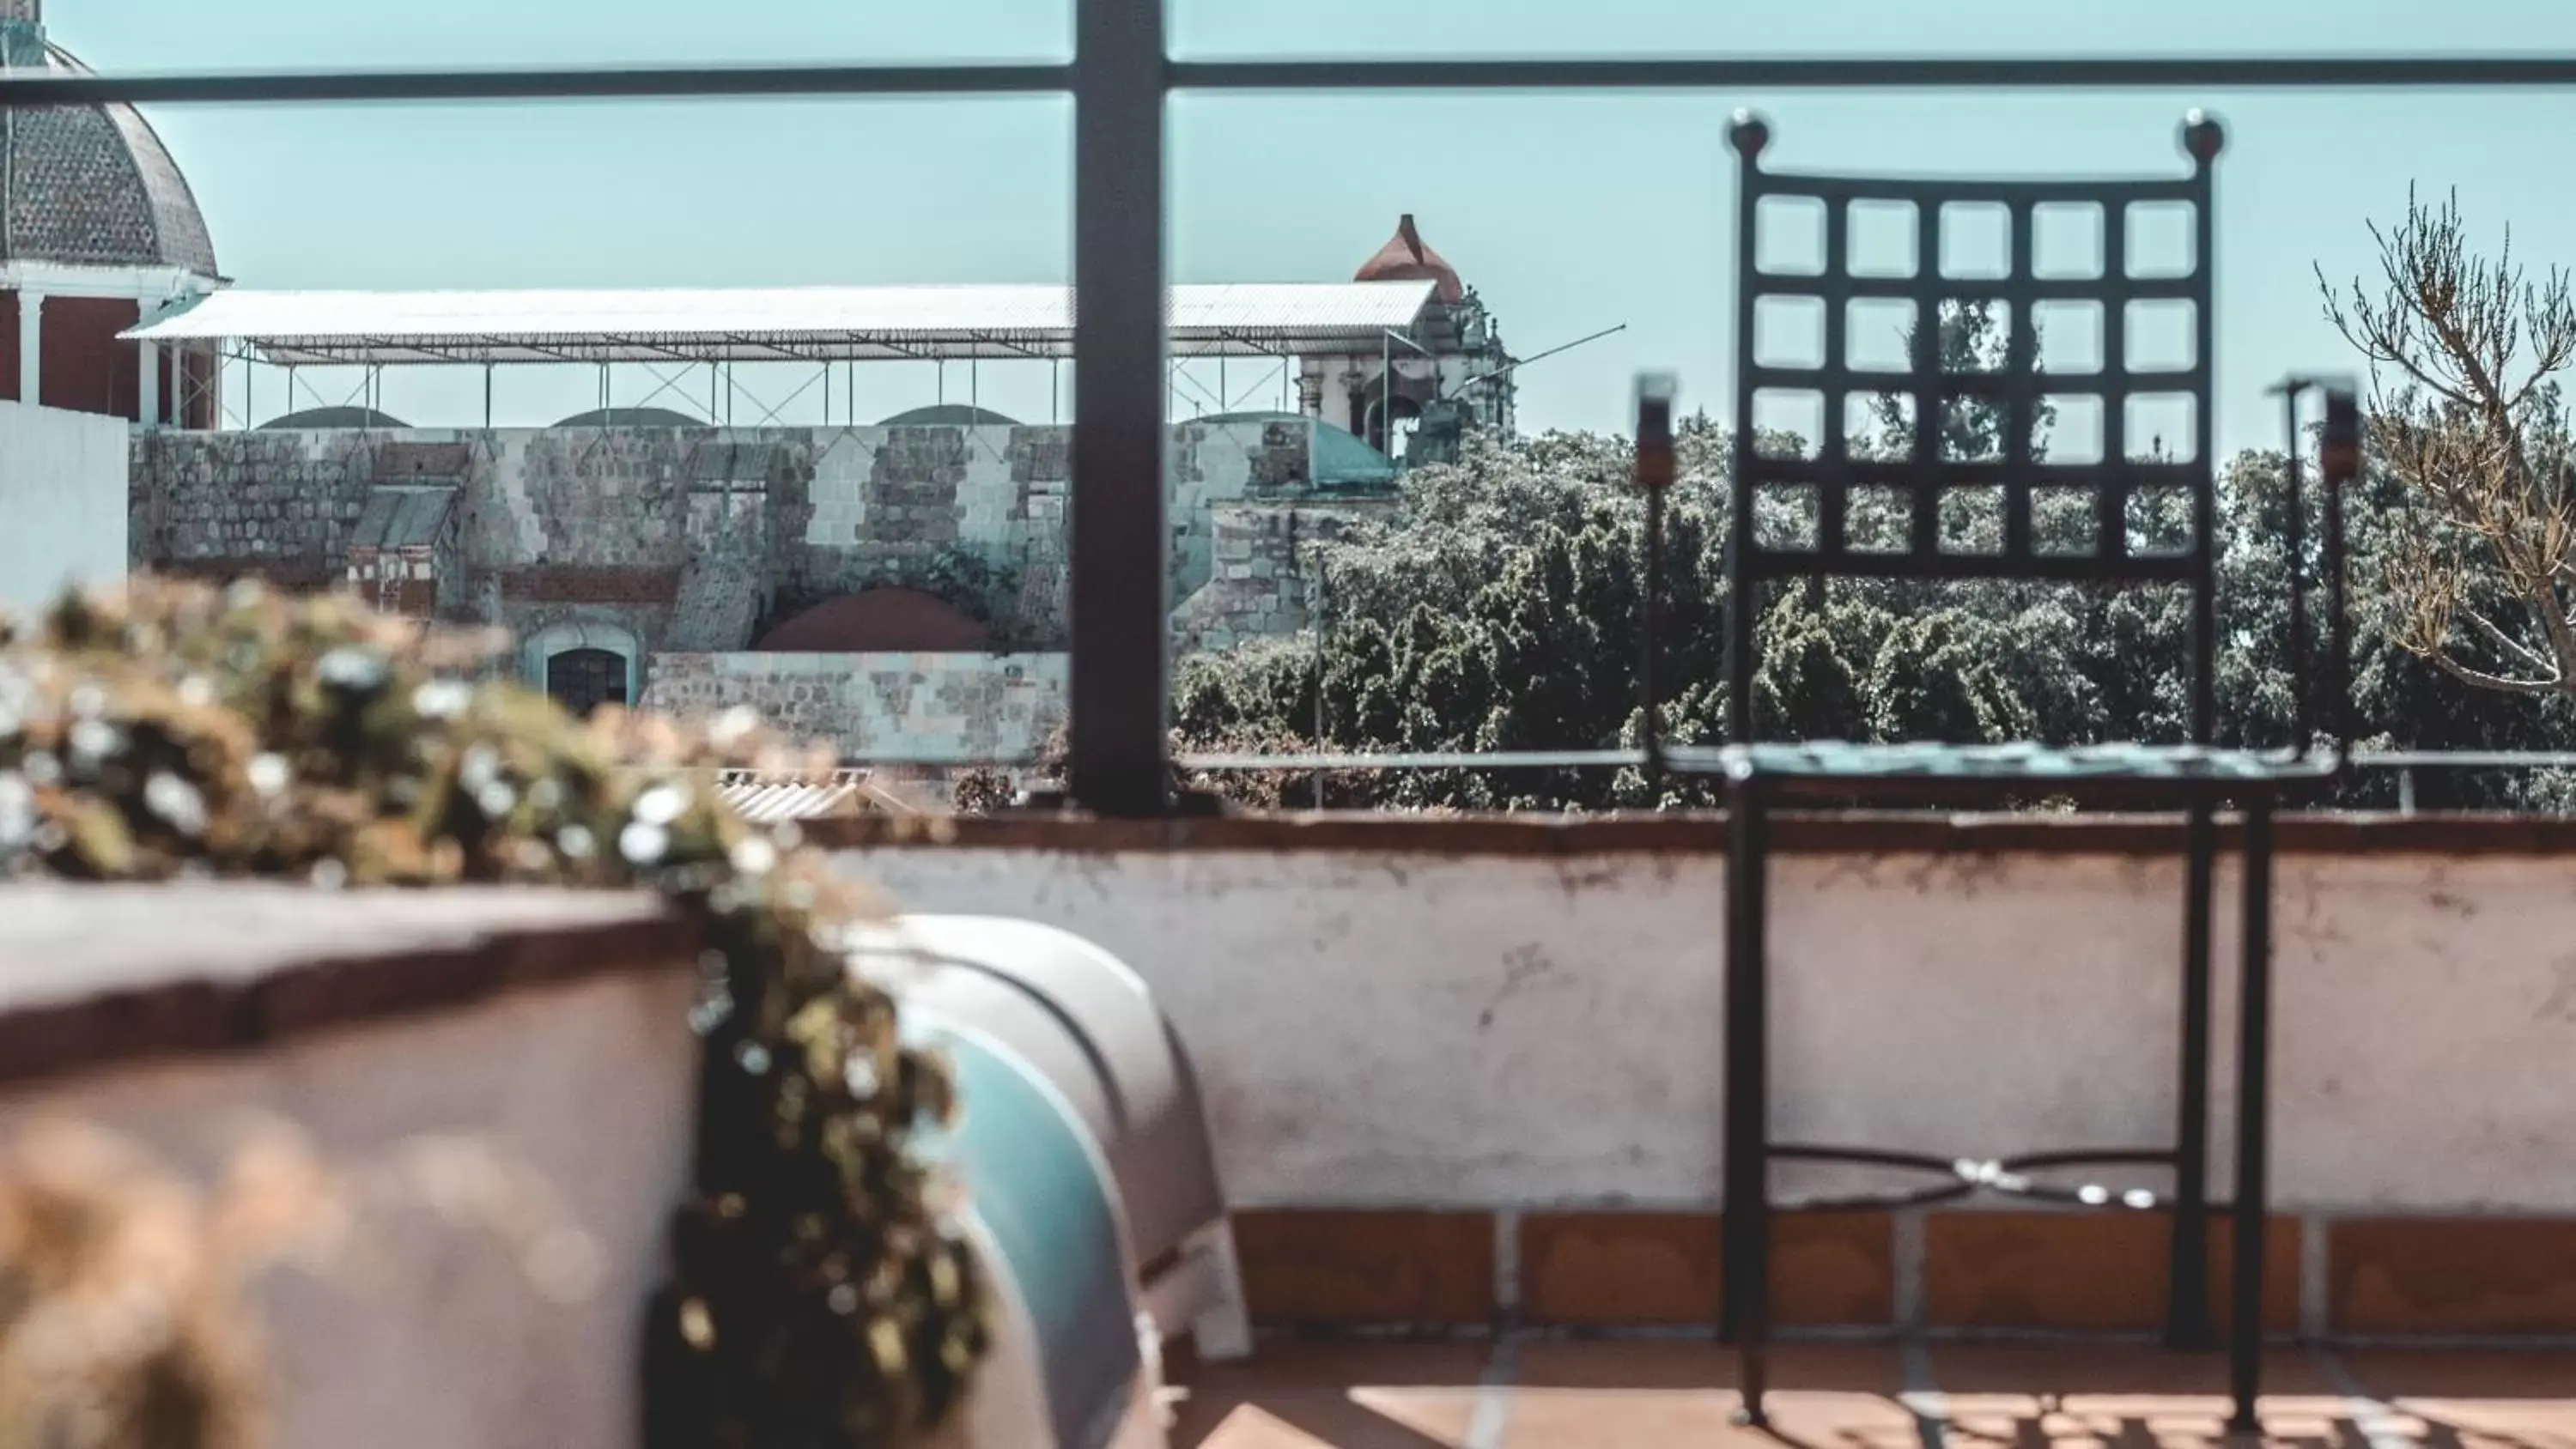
[
  {"x": 1665, "y": 1394},
  {"x": 2389, "y": 1373},
  {"x": 1393, "y": 1419},
  {"x": 1700, "y": 1364},
  {"x": 1625, "y": 1419},
  {"x": 2112, "y": 1371},
  {"x": 1346, "y": 1395},
  {"x": 2482, "y": 1400},
  {"x": 1289, "y": 1363},
  {"x": 2120, "y": 1397},
  {"x": 1654, "y": 1394}
]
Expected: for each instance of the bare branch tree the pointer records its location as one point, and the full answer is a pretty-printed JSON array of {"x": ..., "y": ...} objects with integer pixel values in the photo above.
[{"x": 2465, "y": 352}]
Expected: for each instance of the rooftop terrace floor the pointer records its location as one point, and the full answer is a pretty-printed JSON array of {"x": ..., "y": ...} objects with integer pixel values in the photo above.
[{"x": 1539, "y": 1393}]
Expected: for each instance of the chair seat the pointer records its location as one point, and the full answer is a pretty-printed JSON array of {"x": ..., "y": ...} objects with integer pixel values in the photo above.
[{"x": 1841, "y": 767}]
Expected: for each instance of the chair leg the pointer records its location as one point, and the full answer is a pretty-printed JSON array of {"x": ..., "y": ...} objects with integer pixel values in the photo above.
[
  {"x": 1223, "y": 1329},
  {"x": 2187, "y": 1319},
  {"x": 2253, "y": 1123},
  {"x": 1745, "y": 1276}
]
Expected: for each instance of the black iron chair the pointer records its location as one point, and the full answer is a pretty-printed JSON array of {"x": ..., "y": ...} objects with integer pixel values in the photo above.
[{"x": 2193, "y": 775}]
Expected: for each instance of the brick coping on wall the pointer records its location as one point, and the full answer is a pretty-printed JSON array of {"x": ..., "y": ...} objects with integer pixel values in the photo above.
[
  {"x": 1696, "y": 833},
  {"x": 98, "y": 977},
  {"x": 1944, "y": 1271}
]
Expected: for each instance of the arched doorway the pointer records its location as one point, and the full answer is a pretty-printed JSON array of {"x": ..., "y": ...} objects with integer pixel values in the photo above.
[{"x": 581, "y": 680}]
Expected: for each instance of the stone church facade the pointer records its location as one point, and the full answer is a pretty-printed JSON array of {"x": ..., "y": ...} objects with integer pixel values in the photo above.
[{"x": 899, "y": 590}]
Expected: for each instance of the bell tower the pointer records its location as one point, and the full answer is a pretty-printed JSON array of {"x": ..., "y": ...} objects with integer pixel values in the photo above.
[{"x": 1415, "y": 400}]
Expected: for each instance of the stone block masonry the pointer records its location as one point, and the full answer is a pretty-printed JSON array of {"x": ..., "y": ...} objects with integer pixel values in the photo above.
[
  {"x": 806, "y": 513},
  {"x": 1263, "y": 582},
  {"x": 686, "y": 543},
  {"x": 929, "y": 708}
]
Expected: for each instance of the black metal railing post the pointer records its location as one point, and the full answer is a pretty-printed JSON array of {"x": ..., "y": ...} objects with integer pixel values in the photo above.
[
  {"x": 1744, "y": 1266},
  {"x": 2187, "y": 1321},
  {"x": 1119, "y": 755},
  {"x": 2339, "y": 464},
  {"x": 1656, "y": 470},
  {"x": 2253, "y": 1125}
]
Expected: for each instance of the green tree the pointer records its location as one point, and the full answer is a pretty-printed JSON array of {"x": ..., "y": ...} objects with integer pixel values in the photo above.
[{"x": 1500, "y": 607}]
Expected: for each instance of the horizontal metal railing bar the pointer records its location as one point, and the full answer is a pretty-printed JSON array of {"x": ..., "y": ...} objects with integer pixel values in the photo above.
[
  {"x": 848, "y": 765},
  {"x": 2467, "y": 760},
  {"x": 1614, "y": 759},
  {"x": 1609, "y": 759},
  {"x": 2248, "y": 72},
  {"x": 585, "y": 83},
  {"x": 2132, "y": 569},
  {"x": 1424, "y": 760},
  {"x": 2197, "y": 73}
]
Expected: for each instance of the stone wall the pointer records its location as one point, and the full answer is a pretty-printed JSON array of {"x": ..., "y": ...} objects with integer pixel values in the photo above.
[
  {"x": 1262, "y": 581},
  {"x": 687, "y": 544},
  {"x": 690, "y": 537},
  {"x": 962, "y": 708},
  {"x": 281, "y": 505}
]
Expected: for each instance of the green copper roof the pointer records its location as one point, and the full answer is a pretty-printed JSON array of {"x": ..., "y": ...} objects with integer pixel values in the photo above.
[{"x": 1341, "y": 459}]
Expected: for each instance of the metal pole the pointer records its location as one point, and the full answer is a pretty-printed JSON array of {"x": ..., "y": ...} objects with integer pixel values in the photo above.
[
  {"x": 1655, "y": 470},
  {"x": 1744, "y": 1275},
  {"x": 2339, "y": 469},
  {"x": 1119, "y": 755},
  {"x": 2253, "y": 1122},
  {"x": 2187, "y": 1284},
  {"x": 2295, "y": 541},
  {"x": 1323, "y": 611}
]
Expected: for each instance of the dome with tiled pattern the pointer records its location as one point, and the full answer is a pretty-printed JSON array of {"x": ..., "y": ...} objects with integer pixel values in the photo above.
[{"x": 88, "y": 185}]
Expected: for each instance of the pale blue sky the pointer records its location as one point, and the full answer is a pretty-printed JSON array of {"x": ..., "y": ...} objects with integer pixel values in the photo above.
[{"x": 1570, "y": 213}]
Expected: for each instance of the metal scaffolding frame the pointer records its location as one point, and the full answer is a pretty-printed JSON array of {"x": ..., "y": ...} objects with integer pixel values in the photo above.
[{"x": 938, "y": 324}]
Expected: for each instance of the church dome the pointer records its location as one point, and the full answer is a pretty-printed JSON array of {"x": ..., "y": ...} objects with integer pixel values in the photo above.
[
  {"x": 1406, "y": 259},
  {"x": 88, "y": 185}
]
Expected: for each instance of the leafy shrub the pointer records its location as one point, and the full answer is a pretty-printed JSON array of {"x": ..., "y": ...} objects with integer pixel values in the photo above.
[{"x": 820, "y": 1296}]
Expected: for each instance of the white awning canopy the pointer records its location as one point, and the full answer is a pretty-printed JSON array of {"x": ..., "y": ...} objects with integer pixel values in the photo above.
[{"x": 789, "y": 324}]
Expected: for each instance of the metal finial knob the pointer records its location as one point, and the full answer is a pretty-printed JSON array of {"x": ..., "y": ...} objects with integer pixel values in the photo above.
[
  {"x": 1748, "y": 134},
  {"x": 2202, "y": 136}
]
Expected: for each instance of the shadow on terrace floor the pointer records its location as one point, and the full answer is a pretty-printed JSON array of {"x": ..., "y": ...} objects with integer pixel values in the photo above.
[{"x": 1556, "y": 1394}]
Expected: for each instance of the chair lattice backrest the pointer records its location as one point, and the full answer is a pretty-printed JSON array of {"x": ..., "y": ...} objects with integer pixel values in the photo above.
[{"x": 1827, "y": 340}]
